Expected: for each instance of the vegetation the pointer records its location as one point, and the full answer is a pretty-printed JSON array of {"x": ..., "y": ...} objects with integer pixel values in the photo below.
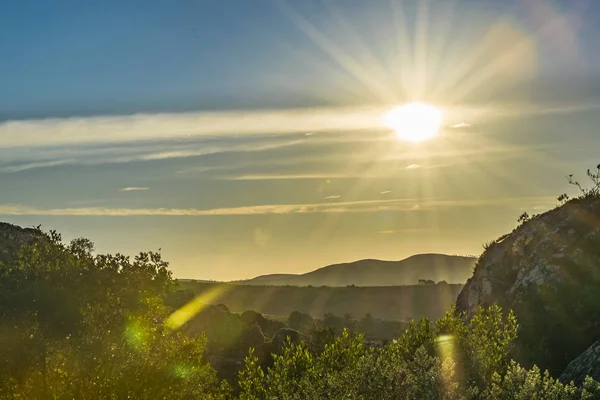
[
  {"x": 75, "y": 325},
  {"x": 454, "y": 359},
  {"x": 586, "y": 191},
  {"x": 561, "y": 310},
  {"x": 78, "y": 326},
  {"x": 392, "y": 303}
]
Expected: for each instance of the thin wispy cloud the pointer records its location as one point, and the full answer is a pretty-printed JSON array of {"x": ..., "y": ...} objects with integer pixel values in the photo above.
[
  {"x": 46, "y": 143},
  {"x": 332, "y": 197},
  {"x": 403, "y": 230},
  {"x": 134, "y": 189},
  {"x": 360, "y": 206},
  {"x": 268, "y": 177},
  {"x": 461, "y": 125},
  {"x": 413, "y": 166},
  {"x": 119, "y": 129},
  {"x": 32, "y": 165},
  {"x": 386, "y": 192},
  {"x": 130, "y": 153}
]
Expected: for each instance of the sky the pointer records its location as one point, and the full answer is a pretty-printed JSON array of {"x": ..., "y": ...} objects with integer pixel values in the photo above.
[{"x": 245, "y": 137}]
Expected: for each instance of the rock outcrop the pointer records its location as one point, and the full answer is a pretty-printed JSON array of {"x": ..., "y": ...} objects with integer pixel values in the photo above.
[
  {"x": 587, "y": 364},
  {"x": 13, "y": 237},
  {"x": 548, "y": 271}
]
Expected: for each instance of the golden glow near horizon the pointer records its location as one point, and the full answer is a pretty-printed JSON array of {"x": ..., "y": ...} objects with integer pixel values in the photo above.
[{"x": 414, "y": 122}]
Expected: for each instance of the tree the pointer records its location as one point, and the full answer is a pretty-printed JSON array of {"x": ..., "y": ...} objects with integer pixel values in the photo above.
[
  {"x": 301, "y": 322},
  {"x": 79, "y": 325},
  {"x": 366, "y": 325}
]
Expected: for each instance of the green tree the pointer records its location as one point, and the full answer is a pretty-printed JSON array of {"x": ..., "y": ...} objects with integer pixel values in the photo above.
[{"x": 85, "y": 326}]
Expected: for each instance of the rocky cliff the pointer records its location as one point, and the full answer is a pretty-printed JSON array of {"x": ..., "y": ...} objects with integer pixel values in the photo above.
[
  {"x": 548, "y": 271},
  {"x": 587, "y": 364}
]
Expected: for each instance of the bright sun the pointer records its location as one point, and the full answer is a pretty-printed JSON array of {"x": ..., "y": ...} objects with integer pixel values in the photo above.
[{"x": 414, "y": 122}]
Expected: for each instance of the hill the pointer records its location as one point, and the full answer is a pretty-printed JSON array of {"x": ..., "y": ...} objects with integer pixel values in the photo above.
[
  {"x": 436, "y": 267},
  {"x": 12, "y": 237},
  {"x": 395, "y": 303},
  {"x": 548, "y": 272}
]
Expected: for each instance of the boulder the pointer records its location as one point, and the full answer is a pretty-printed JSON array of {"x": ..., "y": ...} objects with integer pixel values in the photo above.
[{"x": 587, "y": 364}]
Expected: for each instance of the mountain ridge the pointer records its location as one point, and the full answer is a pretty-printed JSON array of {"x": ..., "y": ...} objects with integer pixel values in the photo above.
[{"x": 373, "y": 272}]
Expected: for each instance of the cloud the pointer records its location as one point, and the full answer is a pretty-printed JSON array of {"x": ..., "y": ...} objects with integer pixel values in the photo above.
[
  {"x": 19, "y": 160},
  {"x": 333, "y": 197},
  {"x": 44, "y": 143},
  {"x": 461, "y": 125},
  {"x": 359, "y": 206},
  {"x": 31, "y": 165},
  {"x": 268, "y": 177},
  {"x": 404, "y": 230},
  {"x": 413, "y": 166},
  {"x": 120, "y": 129},
  {"x": 133, "y": 189},
  {"x": 386, "y": 192}
]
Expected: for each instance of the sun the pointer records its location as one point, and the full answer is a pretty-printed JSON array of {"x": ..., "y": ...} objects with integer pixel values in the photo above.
[{"x": 414, "y": 122}]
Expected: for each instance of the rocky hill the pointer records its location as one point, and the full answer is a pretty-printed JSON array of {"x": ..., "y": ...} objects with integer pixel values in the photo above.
[
  {"x": 587, "y": 364},
  {"x": 12, "y": 237},
  {"x": 432, "y": 267},
  {"x": 548, "y": 271}
]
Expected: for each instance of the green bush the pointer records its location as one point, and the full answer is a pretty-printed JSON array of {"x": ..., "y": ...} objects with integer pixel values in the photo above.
[
  {"x": 457, "y": 358},
  {"x": 80, "y": 326}
]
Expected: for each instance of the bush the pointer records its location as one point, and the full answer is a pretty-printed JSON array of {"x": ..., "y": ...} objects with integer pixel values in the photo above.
[
  {"x": 78, "y": 325},
  {"x": 454, "y": 359}
]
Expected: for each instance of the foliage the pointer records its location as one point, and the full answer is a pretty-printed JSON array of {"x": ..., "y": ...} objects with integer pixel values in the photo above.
[
  {"x": 78, "y": 325},
  {"x": 523, "y": 218},
  {"x": 456, "y": 358},
  {"x": 301, "y": 322},
  {"x": 521, "y": 384},
  {"x": 594, "y": 177},
  {"x": 75, "y": 325},
  {"x": 385, "y": 302}
]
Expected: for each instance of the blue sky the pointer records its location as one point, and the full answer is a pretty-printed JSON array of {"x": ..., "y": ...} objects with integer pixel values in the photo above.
[{"x": 244, "y": 137}]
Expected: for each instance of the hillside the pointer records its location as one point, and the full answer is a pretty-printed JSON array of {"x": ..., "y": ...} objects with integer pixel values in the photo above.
[
  {"x": 12, "y": 237},
  {"x": 436, "y": 267},
  {"x": 394, "y": 303},
  {"x": 548, "y": 272}
]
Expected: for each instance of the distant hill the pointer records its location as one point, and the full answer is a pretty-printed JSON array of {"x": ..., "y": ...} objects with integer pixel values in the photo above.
[
  {"x": 436, "y": 267},
  {"x": 393, "y": 303}
]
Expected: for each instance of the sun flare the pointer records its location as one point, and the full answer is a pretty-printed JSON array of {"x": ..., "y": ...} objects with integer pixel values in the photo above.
[{"x": 414, "y": 122}]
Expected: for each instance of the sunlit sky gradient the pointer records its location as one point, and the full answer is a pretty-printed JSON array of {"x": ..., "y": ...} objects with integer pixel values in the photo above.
[{"x": 245, "y": 137}]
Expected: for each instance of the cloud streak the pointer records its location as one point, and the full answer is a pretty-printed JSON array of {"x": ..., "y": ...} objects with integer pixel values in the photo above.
[
  {"x": 44, "y": 158},
  {"x": 79, "y": 131},
  {"x": 360, "y": 206},
  {"x": 461, "y": 125},
  {"x": 133, "y": 189},
  {"x": 119, "y": 129}
]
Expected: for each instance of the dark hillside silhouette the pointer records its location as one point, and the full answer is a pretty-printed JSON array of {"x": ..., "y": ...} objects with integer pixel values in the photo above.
[{"x": 436, "y": 267}]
